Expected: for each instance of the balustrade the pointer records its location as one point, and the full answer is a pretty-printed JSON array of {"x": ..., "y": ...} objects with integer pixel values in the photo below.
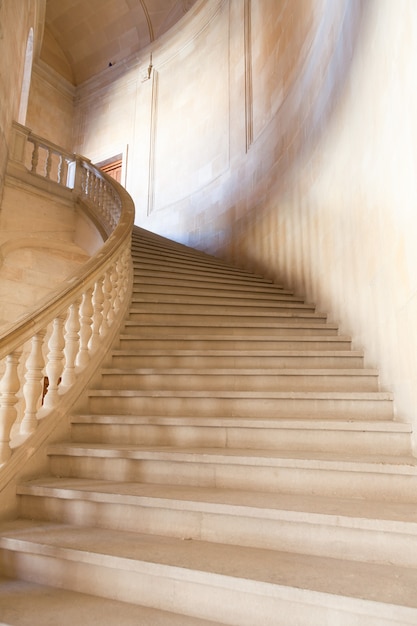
[{"x": 58, "y": 342}]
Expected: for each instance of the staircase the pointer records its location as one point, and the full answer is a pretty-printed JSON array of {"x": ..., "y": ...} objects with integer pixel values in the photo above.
[{"x": 234, "y": 463}]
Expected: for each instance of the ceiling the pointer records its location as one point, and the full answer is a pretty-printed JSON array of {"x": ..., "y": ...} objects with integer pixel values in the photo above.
[{"x": 82, "y": 37}]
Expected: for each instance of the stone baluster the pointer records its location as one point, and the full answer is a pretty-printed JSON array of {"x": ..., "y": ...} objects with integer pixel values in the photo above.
[
  {"x": 9, "y": 387},
  {"x": 48, "y": 163},
  {"x": 55, "y": 361},
  {"x": 33, "y": 387},
  {"x": 108, "y": 314},
  {"x": 62, "y": 174},
  {"x": 72, "y": 343},
  {"x": 115, "y": 290},
  {"x": 86, "y": 312},
  {"x": 35, "y": 157},
  {"x": 98, "y": 299}
]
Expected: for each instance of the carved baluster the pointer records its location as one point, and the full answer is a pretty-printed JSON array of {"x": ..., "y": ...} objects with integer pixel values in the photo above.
[
  {"x": 55, "y": 361},
  {"x": 72, "y": 343},
  {"x": 9, "y": 386},
  {"x": 86, "y": 312},
  {"x": 35, "y": 157},
  {"x": 62, "y": 173},
  {"x": 33, "y": 387},
  {"x": 48, "y": 163},
  {"x": 108, "y": 315},
  {"x": 98, "y": 299},
  {"x": 115, "y": 290}
]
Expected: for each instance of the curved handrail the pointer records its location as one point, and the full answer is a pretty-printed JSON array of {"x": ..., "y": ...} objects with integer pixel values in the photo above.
[{"x": 73, "y": 327}]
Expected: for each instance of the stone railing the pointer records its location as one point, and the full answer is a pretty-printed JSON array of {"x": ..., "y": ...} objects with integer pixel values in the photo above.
[{"x": 46, "y": 357}]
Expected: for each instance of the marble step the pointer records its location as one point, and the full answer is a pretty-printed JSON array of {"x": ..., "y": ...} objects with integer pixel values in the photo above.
[
  {"x": 249, "y": 342},
  {"x": 185, "y": 289},
  {"x": 234, "y": 585},
  {"x": 213, "y": 296},
  {"x": 289, "y": 404},
  {"x": 196, "y": 268},
  {"x": 166, "y": 254},
  {"x": 378, "y": 477},
  {"x": 183, "y": 315},
  {"x": 368, "y": 531},
  {"x": 196, "y": 307},
  {"x": 196, "y": 274},
  {"x": 361, "y": 437},
  {"x": 216, "y": 379},
  {"x": 233, "y": 326},
  {"x": 25, "y": 603},
  {"x": 148, "y": 302},
  {"x": 168, "y": 276},
  {"x": 266, "y": 359}
]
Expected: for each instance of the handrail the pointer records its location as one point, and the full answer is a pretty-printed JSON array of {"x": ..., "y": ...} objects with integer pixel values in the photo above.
[{"x": 43, "y": 354}]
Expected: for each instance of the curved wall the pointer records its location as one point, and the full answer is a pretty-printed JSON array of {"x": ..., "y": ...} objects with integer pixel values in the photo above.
[
  {"x": 280, "y": 135},
  {"x": 16, "y": 20}
]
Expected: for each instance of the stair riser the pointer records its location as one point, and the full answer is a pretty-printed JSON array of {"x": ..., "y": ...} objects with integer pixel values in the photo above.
[
  {"x": 185, "y": 269},
  {"x": 170, "y": 315},
  {"x": 134, "y": 361},
  {"x": 253, "y": 438},
  {"x": 275, "y": 479},
  {"x": 243, "y": 407},
  {"x": 182, "y": 292},
  {"x": 145, "y": 276},
  {"x": 263, "y": 331},
  {"x": 152, "y": 342},
  {"x": 216, "y": 306},
  {"x": 225, "y": 382},
  {"x": 148, "y": 281},
  {"x": 227, "y": 601},
  {"x": 333, "y": 539}
]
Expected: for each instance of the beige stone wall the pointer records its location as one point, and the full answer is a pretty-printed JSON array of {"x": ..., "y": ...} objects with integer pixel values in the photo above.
[
  {"x": 51, "y": 106},
  {"x": 16, "y": 19},
  {"x": 282, "y": 135}
]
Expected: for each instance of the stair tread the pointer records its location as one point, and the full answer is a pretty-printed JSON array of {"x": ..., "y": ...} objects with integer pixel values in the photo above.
[
  {"x": 233, "y": 371},
  {"x": 299, "y": 395},
  {"x": 25, "y": 603},
  {"x": 403, "y": 464},
  {"x": 243, "y": 568},
  {"x": 254, "y": 337},
  {"x": 237, "y": 352},
  {"x": 369, "y": 514},
  {"x": 247, "y": 422}
]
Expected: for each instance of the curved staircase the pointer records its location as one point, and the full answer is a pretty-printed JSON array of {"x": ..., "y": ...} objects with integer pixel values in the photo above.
[{"x": 234, "y": 463}]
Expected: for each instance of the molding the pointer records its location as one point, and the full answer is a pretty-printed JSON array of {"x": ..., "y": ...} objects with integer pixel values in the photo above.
[
  {"x": 43, "y": 71},
  {"x": 248, "y": 73},
  {"x": 152, "y": 142}
]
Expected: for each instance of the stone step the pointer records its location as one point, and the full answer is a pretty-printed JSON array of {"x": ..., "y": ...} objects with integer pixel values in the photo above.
[
  {"x": 181, "y": 315},
  {"x": 362, "y": 437},
  {"x": 197, "y": 307},
  {"x": 232, "y": 585},
  {"x": 205, "y": 295},
  {"x": 148, "y": 302},
  {"x": 266, "y": 359},
  {"x": 147, "y": 280},
  {"x": 249, "y": 342},
  {"x": 218, "y": 379},
  {"x": 195, "y": 268},
  {"x": 376, "y": 477},
  {"x": 25, "y": 603},
  {"x": 183, "y": 289},
  {"x": 289, "y": 404},
  {"x": 200, "y": 274},
  {"x": 220, "y": 327},
  {"x": 166, "y": 254},
  {"x": 366, "y": 531}
]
